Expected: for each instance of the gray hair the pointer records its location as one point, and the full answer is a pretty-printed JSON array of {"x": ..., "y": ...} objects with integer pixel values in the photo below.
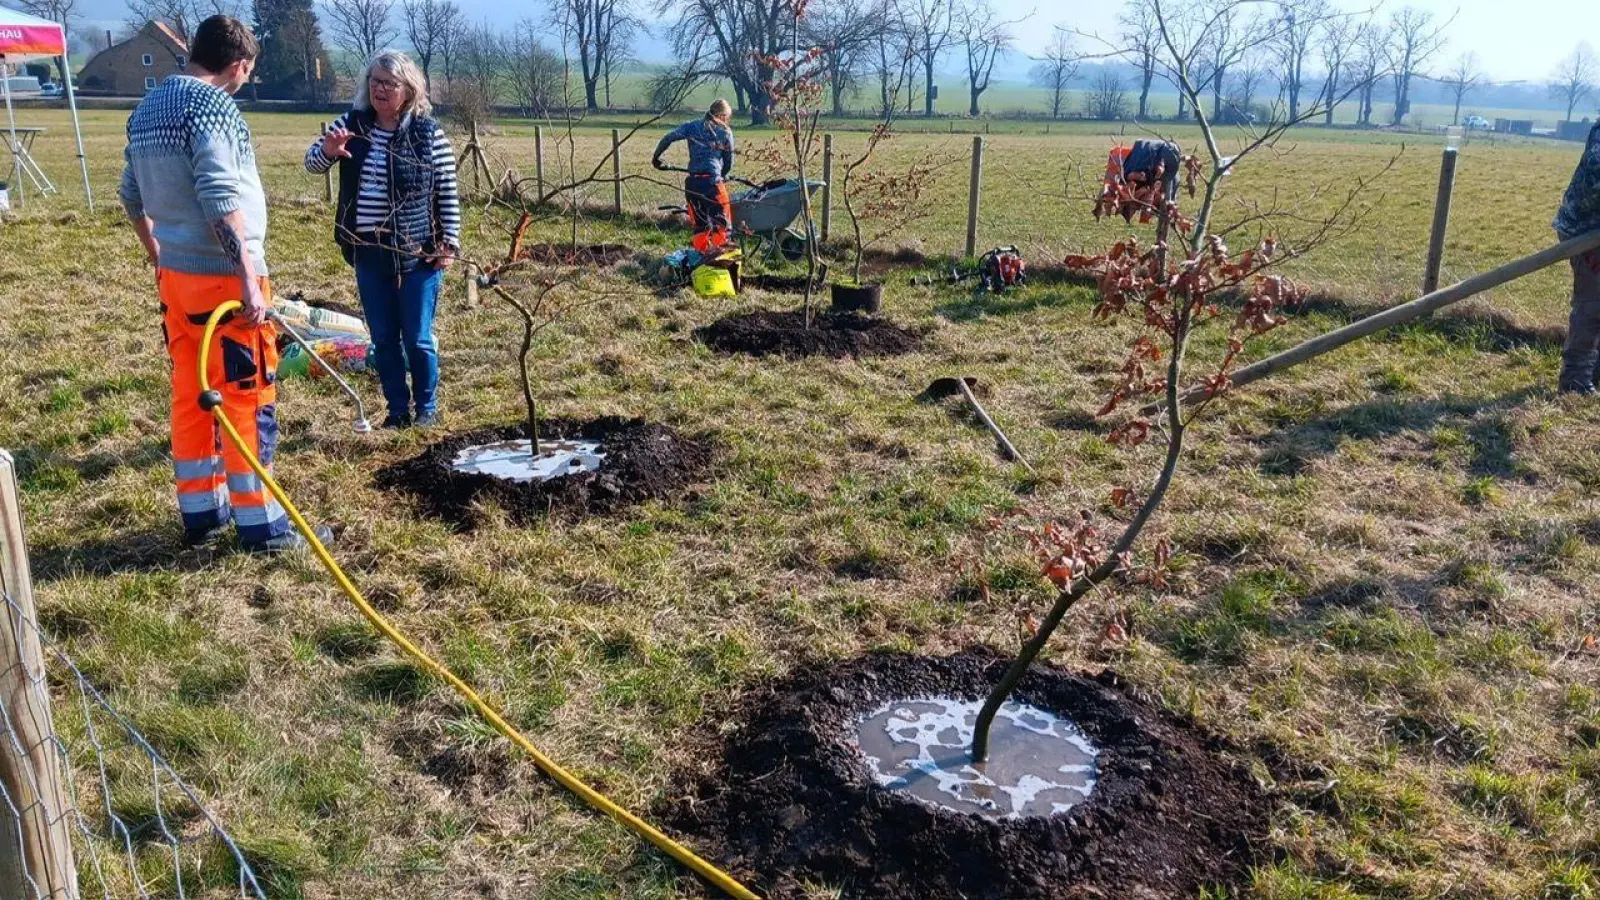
[{"x": 399, "y": 65}]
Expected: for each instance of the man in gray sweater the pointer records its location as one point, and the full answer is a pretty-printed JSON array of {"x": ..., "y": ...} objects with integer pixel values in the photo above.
[{"x": 194, "y": 196}]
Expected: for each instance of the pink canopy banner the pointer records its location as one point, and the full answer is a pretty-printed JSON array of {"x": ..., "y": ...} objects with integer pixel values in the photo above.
[{"x": 22, "y": 35}]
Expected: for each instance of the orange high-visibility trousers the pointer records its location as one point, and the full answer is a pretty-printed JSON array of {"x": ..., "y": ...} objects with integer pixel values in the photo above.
[
  {"x": 710, "y": 212},
  {"x": 214, "y": 482}
]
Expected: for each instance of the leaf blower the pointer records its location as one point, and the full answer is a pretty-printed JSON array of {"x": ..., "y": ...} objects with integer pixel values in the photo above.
[{"x": 1001, "y": 268}]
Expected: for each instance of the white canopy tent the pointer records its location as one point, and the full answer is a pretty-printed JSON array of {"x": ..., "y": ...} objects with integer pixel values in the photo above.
[{"x": 22, "y": 38}]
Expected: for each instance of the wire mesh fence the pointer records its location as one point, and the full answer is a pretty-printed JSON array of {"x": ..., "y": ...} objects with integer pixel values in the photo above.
[
  {"x": 135, "y": 828},
  {"x": 89, "y": 807}
]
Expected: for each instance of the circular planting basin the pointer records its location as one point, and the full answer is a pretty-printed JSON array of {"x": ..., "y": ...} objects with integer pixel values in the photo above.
[
  {"x": 514, "y": 460},
  {"x": 1040, "y": 764},
  {"x": 766, "y": 333},
  {"x": 856, "y": 776},
  {"x": 583, "y": 467}
]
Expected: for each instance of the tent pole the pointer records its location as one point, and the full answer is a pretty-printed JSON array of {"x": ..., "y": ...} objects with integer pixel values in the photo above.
[
  {"x": 11, "y": 117},
  {"x": 77, "y": 130}
]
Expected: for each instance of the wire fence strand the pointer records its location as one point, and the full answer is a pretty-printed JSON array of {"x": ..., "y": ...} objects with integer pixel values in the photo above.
[{"x": 138, "y": 830}]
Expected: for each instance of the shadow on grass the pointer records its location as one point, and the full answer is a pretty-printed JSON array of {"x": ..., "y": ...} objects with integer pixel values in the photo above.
[
  {"x": 980, "y": 304},
  {"x": 46, "y": 470},
  {"x": 144, "y": 551},
  {"x": 1483, "y": 422},
  {"x": 1479, "y": 327}
]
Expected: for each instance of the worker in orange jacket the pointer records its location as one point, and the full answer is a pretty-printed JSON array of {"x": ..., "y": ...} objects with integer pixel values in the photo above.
[{"x": 194, "y": 196}]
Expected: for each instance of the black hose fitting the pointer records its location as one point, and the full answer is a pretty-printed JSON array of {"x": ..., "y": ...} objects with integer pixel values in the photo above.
[{"x": 210, "y": 400}]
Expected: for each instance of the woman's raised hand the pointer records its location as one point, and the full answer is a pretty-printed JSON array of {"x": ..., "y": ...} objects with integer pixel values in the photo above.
[{"x": 334, "y": 144}]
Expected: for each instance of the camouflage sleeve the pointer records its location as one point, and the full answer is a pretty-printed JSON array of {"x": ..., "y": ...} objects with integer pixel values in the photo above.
[{"x": 1580, "y": 207}]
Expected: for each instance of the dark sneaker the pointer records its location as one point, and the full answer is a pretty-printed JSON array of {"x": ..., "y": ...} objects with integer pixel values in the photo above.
[
  {"x": 293, "y": 540},
  {"x": 428, "y": 420},
  {"x": 396, "y": 422},
  {"x": 1582, "y": 390},
  {"x": 194, "y": 538}
]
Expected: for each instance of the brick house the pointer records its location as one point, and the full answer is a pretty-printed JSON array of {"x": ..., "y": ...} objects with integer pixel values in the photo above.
[{"x": 136, "y": 65}]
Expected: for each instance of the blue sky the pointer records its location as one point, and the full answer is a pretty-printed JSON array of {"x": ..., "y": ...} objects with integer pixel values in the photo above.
[{"x": 1524, "y": 44}]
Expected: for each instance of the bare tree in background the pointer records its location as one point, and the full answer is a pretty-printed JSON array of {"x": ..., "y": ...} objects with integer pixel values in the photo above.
[
  {"x": 1336, "y": 45},
  {"x": 892, "y": 59},
  {"x": 931, "y": 25},
  {"x": 1414, "y": 39},
  {"x": 736, "y": 39},
  {"x": 360, "y": 27},
  {"x": 480, "y": 66},
  {"x": 429, "y": 26},
  {"x": 1575, "y": 76},
  {"x": 1464, "y": 76},
  {"x": 1367, "y": 64},
  {"x": 1107, "y": 98},
  {"x": 1231, "y": 31},
  {"x": 533, "y": 71},
  {"x": 1055, "y": 69},
  {"x": 597, "y": 32},
  {"x": 1247, "y": 78},
  {"x": 845, "y": 31},
  {"x": 1298, "y": 24},
  {"x": 1141, "y": 35},
  {"x": 180, "y": 15},
  {"x": 986, "y": 39}
]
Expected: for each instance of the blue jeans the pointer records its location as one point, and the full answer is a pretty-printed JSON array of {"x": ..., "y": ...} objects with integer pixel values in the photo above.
[{"x": 399, "y": 310}]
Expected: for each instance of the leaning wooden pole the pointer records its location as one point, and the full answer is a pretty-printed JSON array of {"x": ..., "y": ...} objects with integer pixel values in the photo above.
[
  {"x": 35, "y": 843},
  {"x": 1405, "y": 312}
]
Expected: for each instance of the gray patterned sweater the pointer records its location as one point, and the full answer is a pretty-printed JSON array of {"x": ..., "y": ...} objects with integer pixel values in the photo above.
[{"x": 190, "y": 162}]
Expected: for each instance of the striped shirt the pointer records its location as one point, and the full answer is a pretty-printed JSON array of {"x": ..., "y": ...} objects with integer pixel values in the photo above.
[{"x": 373, "y": 208}]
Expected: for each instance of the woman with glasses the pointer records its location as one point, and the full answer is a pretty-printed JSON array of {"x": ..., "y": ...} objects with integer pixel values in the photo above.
[{"x": 398, "y": 222}]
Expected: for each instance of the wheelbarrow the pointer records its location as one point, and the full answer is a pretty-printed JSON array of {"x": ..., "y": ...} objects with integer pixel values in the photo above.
[{"x": 768, "y": 214}]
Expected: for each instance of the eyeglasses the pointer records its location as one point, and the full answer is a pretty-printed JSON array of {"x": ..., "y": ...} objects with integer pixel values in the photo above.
[{"x": 383, "y": 84}]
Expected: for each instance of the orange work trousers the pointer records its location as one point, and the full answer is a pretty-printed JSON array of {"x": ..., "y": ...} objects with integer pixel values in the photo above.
[
  {"x": 214, "y": 482},
  {"x": 710, "y": 212}
]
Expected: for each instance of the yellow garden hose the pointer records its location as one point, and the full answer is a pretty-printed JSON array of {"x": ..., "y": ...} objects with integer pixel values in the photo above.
[{"x": 211, "y": 401}]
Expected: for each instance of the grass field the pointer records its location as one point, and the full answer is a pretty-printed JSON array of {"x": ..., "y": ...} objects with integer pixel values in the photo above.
[{"x": 1389, "y": 560}]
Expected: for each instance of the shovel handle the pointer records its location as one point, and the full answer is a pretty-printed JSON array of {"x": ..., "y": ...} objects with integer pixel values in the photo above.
[{"x": 1005, "y": 442}]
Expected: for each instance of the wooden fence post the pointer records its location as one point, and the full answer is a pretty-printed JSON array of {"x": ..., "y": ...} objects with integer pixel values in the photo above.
[
  {"x": 973, "y": 196},
  {"x": 616, "y": 169},
  {"x": 538, "y": 158},
  {"x": 327, "y": 177},
  {"x": 827, "y": 185},
  {"x": 36, "y": 846},
  {"x": 1441, "y": 220}
]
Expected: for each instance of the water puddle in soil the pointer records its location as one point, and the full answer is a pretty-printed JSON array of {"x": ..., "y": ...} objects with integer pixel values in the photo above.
[
  {"x": 1040, "y": 764},
  {"x": 514, "y": 460}
]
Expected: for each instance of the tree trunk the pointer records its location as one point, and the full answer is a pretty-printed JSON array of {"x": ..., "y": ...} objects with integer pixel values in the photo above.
[
  {"x": 1455, "y": 119},
  {"x": 972, "y": 105},
  {"x": 590, "y": 95},
  {"x": 1183, "y": 105},
  {"x": 1216, "y": 93},
  {"x": 927, "y": 85},
  {"x": 1147, "y": 74}
]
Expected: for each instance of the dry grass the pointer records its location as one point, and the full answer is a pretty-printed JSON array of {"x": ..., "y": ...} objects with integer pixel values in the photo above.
[{"x": 1389, "y": 560}]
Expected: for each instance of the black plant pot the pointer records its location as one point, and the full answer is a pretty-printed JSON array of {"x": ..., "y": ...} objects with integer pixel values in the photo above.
[{"x": 860, "y": 298}]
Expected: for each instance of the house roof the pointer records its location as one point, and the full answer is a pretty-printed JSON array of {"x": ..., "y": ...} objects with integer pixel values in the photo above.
[
  {"x": 160, "y": 30},
  {"x": 165, "y": 31}
]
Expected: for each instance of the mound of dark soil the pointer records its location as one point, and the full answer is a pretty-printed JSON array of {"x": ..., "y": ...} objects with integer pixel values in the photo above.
[
  {"x": 599, "y": 255},
  {"x": 764, "y": 333},
  {"x": 644, "y": 461},
  {"x": 781, "y": 284},
  {"x": 792, "y": 800}
]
